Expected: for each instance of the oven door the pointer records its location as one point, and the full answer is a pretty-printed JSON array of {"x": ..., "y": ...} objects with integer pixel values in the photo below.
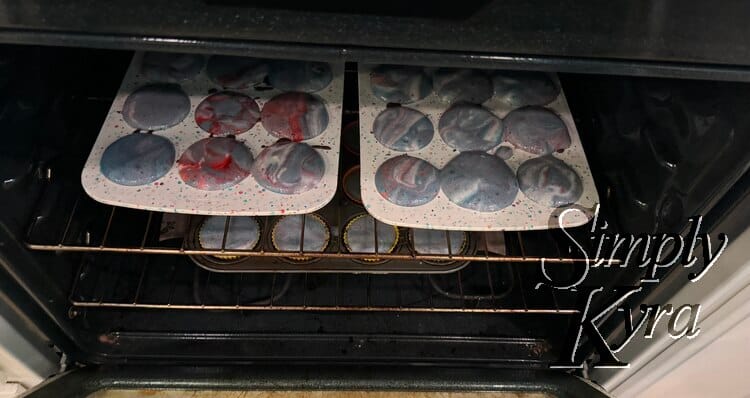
[{"x": 293, "y": 380}]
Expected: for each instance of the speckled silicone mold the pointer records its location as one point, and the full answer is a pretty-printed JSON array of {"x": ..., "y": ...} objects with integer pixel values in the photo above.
[
  {"x": 170, "y": 193},
  {"x": 442, "y": 214}
]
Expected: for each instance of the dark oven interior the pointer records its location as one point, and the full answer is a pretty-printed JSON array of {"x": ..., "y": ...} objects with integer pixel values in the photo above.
[{"x": 661, "y": 150}]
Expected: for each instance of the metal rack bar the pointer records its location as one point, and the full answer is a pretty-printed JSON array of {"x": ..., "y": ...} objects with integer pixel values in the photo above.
[
  {"x": 520, "y": 286},
  {"x": 239, "y": 291},
  {"x": 148, "y": 227},
  {"x": 188, "y": 248},
  {"x": 491, "y": 285},
  {"x": 460, "y": 289},
  {"x": 172, "y": 286},
  {"x": 320, "y": 308},
  {"x": 273, "y": 290},
  {"x": 109, "y": 227},
  {"x": 140, "y": 282},
  {"x": 359, "y": 256},
  {"x": 302, "y": 236},
  {"x": 226, "y": 233},
  {"x": 469, "y": 302},
  {"x": 70, "y": 220},
  {"x": 486, "y": 245}
]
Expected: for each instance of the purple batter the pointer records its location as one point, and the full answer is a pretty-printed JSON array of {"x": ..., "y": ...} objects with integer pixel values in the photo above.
[
  {"x": 470, "y": 127},
  {"x": 536, "y": 130},
  {"x": 236, "y": 72},
  {"x": 407, "y": 181},
  {"x": 400, "y": 84},
  {"x": 215, "y": 163},
  {"x": 156, "y": 107},
  {"x": 227, "y": 113},
  {"x": 549, "y": 181},
  {"x": 521, "y": 88},
  {"x": 171, "y": 67},
  {"x": 462, "y": 85},
  {"x": 403, "y": 129},
  {"x": 300, "y": 76},
  {"x": 479, "y": 181},
  {"x": 288, "y": 168},
  {"x": 137, "y": 159},
  {"x": 295, "y": 116}
]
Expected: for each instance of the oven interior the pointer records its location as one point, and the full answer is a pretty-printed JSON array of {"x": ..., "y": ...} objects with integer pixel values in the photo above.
[{"x": 661, "y": 150}]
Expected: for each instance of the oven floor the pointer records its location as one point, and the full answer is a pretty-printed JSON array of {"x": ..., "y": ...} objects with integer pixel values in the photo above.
[{"x": 309, "y": 394}]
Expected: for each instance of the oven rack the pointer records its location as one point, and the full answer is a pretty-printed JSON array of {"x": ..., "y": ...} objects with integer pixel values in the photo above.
[
  {"x": 151, "y": 283},
  {"x": 89, "y": 226}
]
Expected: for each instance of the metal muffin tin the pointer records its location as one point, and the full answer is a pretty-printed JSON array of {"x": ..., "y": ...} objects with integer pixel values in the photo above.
[{"x": 336, "y": 214}]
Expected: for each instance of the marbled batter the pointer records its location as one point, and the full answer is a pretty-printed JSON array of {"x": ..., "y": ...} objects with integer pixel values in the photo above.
[
  {"x": 536, "y": 130},
  {"x": 243, "y": 233},
  {"x": 295, "y": 116},
  {"x": 400, "y": 84},
  {"x": 156, "y": 107},
  {"x": 171, "y": 67},
  {"x": 288, "y": 168},
  {"x": 137, "y": 159},
  {"x": 479, "y": 181},
  {"x": 521, "y": 88},
  {"x": 236, "y": 72},
  {"x": 407, "y": 181},
  {"x": 403, "y": 129},
  {"x": 549, "y": 181},
  {"x": 470, "y": 127},
  {"x": 462, "y": 85},
  {"x": 359, "y": 235},
  {"x": 227, "y": 113},
  {"x": 287, "y": 233},
  {"x": 215, "y": 163},
  {"x": 432, "y": 241},
  {"x": 302, "y": 76}
]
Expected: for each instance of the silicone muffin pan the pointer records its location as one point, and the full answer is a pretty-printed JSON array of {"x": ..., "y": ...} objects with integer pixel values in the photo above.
[
  {"x": 421, "y": 124},
  {"x": 215, "y": 118}
]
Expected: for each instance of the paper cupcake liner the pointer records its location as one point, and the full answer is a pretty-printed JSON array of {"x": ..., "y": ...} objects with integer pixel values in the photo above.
[
  {"x": 228, "y": 257},
  {"x": 302, "y": 259},
  {"x": 462, "y": 250},
  {"x": 397, "y": 235},
  {"x": 344, "y": 186}
]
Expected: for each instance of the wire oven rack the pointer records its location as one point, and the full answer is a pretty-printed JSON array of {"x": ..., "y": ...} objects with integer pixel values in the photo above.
[
  {"x": 125, "y": 266},
  {"x": 141, "y": 282},
  {"x": 83, "y": 229}
]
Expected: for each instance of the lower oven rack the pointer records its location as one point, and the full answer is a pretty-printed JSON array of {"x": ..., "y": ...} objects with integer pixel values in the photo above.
[
  {"x": 127, "y": 265},
  {"x": 147, "y": 284}
]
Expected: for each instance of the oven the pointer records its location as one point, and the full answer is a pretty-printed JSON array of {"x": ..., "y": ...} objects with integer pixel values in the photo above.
[{"x": 127, "y": 300}]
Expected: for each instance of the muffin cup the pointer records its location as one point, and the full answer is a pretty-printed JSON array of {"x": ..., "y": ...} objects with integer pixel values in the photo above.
[
  {"x": 463, "y": 249},
  {"x": 370, "y": 260},
  {"x": 228, "y": 258},
  {"x": 350, "y": 137},
  {"x": 356, "y": 198},
  {"x": 301, "y": 259}
]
